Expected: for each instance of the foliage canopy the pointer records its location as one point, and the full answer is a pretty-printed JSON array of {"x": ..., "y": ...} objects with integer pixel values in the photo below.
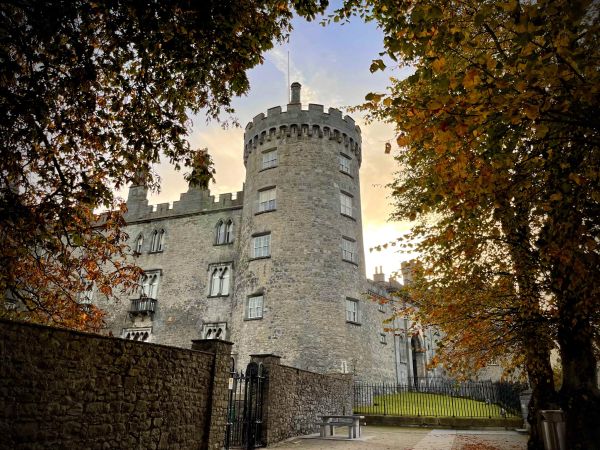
[{"x": 92, "y": 95}]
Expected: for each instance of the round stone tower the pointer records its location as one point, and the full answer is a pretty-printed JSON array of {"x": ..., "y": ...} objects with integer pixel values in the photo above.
[{"x": 301, "y": 260}]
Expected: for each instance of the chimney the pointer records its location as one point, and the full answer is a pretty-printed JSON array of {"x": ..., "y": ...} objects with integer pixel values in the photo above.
[
  {"x": 295, "y": 100},
  {"x": 379, "y": 277}
]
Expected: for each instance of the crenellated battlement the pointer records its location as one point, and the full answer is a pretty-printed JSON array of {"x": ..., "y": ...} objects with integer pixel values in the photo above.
[
  {"x": 194, "y": 201},
  {"x": 311, "y": 123}
]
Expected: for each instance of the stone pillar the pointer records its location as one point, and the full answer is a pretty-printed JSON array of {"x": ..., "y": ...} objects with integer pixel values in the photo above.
[{"x": 219, "y": 392}]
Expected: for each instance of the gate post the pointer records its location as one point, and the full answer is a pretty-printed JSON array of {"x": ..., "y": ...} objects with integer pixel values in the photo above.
[
  {"x": 268, "y": 361},
  {"x": 218, "y": 392}
]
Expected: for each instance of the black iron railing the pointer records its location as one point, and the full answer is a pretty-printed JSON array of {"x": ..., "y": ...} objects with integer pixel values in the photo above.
[
  {"x": 439, "y": 397},
  {"x": 142, "y": 305}
]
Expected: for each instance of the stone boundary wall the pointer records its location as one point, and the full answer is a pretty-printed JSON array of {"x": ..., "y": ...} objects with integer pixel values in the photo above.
[
  {"x": 295, "y": 398},
  {"x": 65, "y": 389}
]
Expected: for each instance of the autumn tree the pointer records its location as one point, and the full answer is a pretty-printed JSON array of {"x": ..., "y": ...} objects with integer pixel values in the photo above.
[
  {"x": 498, "y": 135},
  {"x": 92, "y": 95}
]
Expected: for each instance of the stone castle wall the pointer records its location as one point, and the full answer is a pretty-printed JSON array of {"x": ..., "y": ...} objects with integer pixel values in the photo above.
[
  {"x": 64, "y": 389},
  {"x": 304, "y": 282},
  {"x": 295, "y": 399}
]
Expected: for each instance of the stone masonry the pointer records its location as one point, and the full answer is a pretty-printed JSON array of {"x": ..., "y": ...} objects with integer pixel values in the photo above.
[{"x": 64, "y": 389}]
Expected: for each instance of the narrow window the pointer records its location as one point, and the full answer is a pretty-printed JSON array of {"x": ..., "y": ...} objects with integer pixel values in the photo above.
[
  {"x": 161, "y": 241},
  {"x": 215, "y": 282},
  {"x": 261, "y": 246},
  {"x": 382, "y": 338},
  {"x": 255, "y": 307},
  {"x": 351, "y": 310},
  {"x": 139, "y": 243},
  {"x": 154, "y": 241},
  {"x": 269, "y": 159},
  {"x": 344, "y": 163},
  {"x": 267, "y": 200},
  {"x": 347, "y": 207},
  {"x": 349, "y": 252},
  {"x": 225, "y": 281},
  {"x": 220, "y": 232},
  {"x": 229, "y": 232}
]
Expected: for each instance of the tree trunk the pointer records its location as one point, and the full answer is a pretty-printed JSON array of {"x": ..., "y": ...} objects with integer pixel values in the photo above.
[
  {"x": 580, "y": 397},
  {"x": 541, "y": 380}
]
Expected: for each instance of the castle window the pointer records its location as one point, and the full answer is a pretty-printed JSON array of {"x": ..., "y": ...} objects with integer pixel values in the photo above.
[
  {"x": 150, "y": 282},
  {"x": 382, "y": 338},
  {"x": 158, "y": 241},
  {"x": 269, "y": 159},
  {"x": 214, "y": 330},
  {"x": 220, "y": 276},
  {"x": 344, "y": 163},
  {"x": 344, "y": 366},
  {"x": 224, "y": 232},
  {"x": 351, "y": 310},
  {"x": 137, "y": 334},
  {"x": 349, "y": 252},
  {"x": 139, "y": 242},
  {"x": 347, "y": 208},
  {"x": 87, "y": 294},
  {"x": 267, "y": 200},
  {"x": 229, "y": 232},
  {"x": 261, "y": 246},
  {"x": 254, "y": 308}
]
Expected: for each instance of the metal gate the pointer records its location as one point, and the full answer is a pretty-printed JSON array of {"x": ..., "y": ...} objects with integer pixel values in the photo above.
[{"x": 244, "y": 413}]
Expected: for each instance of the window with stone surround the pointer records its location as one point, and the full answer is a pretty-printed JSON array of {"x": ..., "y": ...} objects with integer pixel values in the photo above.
[
  {"x": 149, "y": 282},
  {"x": 349, "y": 251},
  {"x": 267, "y": 199},
  {"x": 383, "y": 338},
  {"x": 269, "y": 159},
  {"x": 261, "y": 246},
  {"x": 139, "y": 243},
  {"x": 224, "y": 232},
  {"x": 344, "y": 163},
  {"x": 352, "y": 310},
  {"x": 137, "y": 334},
  {"x": 346, "y": 204},
  {"x": 220, "y": 277},
  {"x": 254, "y": 307},
  {"x": 158, "y": 241},
  {"x": 215, "y": 330}
]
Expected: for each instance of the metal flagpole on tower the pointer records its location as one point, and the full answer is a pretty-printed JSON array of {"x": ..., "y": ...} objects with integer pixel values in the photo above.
[{"x": 288, "y": 83}]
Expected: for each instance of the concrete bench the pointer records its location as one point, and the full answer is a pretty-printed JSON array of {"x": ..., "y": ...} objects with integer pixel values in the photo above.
[{"x": 337, "y": 423}]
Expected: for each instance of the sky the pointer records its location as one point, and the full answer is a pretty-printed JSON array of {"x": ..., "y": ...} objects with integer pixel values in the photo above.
[{"x": 332, "y": 64}]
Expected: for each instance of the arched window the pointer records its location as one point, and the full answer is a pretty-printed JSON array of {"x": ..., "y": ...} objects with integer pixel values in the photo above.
[
  {"x": 150, "y": 285},
  {"x": 154, "y": 241},
  {"x": 229, "y": 231},
  {"x": 215, "y": 282},
  {"x": 139, "y": 242},
  {"x": 158, "y": 241},
  {"x": 220, "y": 276},
  {"x": 161, "y": 241},
  {"x": 221, "y": 230},
  {"x": 225, "y": 282}
]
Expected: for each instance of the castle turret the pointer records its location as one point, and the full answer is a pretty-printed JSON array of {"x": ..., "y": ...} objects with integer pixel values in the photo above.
[{"x": 301, "y": 270}]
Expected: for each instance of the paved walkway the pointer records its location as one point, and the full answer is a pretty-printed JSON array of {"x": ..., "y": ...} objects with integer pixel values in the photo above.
[{"x": 391, "y": 438}]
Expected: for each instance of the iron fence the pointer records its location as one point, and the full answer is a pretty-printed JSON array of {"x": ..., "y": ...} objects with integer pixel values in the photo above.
[{"x": 439, "y": 397}]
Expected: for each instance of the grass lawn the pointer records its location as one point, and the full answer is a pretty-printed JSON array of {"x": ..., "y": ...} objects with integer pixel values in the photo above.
[{"x": 425, "y": 404}]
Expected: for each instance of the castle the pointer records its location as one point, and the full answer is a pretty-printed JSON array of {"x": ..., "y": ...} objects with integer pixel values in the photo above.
[{"x": 277, "y": 268}]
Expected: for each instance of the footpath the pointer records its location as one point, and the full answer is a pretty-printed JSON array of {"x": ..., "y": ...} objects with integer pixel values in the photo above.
[{"x": 412, "y": 438}]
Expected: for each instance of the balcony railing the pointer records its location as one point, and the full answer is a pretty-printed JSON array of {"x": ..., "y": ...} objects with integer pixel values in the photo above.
[{"x": 143, "y": 305}]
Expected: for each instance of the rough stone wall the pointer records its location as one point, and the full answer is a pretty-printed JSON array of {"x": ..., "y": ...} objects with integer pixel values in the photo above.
[
  {"x": 296, "y": 398},
  {"x": 63, "y": 389}
]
